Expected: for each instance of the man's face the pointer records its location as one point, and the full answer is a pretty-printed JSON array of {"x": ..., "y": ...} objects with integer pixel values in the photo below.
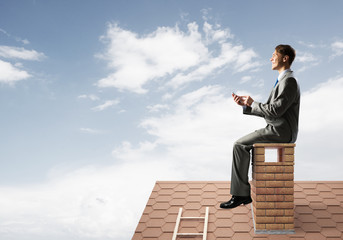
[{"x": 277, "y": 61}]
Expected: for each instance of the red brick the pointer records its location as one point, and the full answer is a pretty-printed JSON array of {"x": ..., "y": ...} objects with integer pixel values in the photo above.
[
  {"x": 288, "y": 205},
  {"x": 284, "y": 220},
  {"x": 289, "y": 226},
  {"x": 289, "y": 169},
  {"x": 264, "y": 191},
  {"x": 289, "y": 198},
  {"x": 260, "y": 212},
  {"x": 275, "y": 169},
  {"x": 274, "y": 184},
  {"x": 289, "y": 191},
  {"x": 261, "y": 198},
  {"x": 275, "y": 226},
  {"x": 289, "y": 183},
  {"x": 274, "y": 163},
  {"x": 274, "y": 198},
  {"x": 284, "y": 176},
  {"x": 259, "y": 160},
  {"x": 265, "y": 205},
  {"x": 259, "y": 151},
  {"x": 274, "y": 212},
  {"x": 288, "y": 158},
  {"x": 289, "y": 212},
  {"x": 260, "y": 226},
  {"x": 259, "y": 169},
  {"x": 265, "y": 219},
  {"x": 288, "y": 151},
  {"x": 274, "y": 145},
  {"x": 260, "y": 183},
  {"x": 265, "y": 176}
]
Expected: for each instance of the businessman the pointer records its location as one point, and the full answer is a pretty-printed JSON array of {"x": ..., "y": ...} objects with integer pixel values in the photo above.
[{"x": 281, "y": 113}]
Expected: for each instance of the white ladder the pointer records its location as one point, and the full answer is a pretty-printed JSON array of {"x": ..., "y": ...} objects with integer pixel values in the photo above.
[{"x": 204, "y": 233}]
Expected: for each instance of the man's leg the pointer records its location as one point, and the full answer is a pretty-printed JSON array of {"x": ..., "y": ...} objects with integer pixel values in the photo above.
[
  {"x": 241, "y": 158},
  {"x": 240, "y": 187},
  {"x": 240, "y": 164},
  {"x": 239, "y": 172}
]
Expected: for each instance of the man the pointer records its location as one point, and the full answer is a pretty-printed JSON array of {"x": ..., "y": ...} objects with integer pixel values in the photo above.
[{"x": 281, "y": 112}]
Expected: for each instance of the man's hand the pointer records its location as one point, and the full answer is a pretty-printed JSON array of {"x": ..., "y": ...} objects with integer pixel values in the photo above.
[{"x": 243, "y": 100}]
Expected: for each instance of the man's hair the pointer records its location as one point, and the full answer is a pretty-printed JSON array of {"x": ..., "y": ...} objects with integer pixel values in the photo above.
[{"x": 286, "y": 50}]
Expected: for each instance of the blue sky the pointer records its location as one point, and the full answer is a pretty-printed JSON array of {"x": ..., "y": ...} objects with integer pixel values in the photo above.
[{"x": 100, "y": 99}]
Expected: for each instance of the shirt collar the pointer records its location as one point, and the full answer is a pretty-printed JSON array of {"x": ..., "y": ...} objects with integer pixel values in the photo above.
[{"x": 283, "y": 73}]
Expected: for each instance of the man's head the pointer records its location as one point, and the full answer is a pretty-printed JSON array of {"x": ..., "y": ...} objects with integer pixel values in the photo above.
[{"x": 283, "y": 57}]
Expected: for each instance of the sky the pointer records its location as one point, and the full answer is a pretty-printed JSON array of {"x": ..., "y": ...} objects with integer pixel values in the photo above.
[{"x": 101, "y": 99}]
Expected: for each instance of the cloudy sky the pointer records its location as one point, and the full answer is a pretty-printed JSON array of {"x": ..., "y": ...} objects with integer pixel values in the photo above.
[{"x": 100, "y": 99}]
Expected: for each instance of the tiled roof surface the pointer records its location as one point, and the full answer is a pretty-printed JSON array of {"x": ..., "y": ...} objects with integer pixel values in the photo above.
[{"x": 318, "y": 212}]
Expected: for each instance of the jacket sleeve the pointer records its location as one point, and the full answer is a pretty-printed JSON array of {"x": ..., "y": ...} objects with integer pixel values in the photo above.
[
  {"x": 248, "y": 111},
  {"x": 283, "y": 96}
]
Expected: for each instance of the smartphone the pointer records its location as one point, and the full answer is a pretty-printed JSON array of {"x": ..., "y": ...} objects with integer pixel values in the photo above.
[{"x": 236, "y": 95}]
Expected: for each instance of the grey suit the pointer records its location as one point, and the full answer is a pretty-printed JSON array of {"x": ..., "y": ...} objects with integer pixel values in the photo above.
[{"x": 281, "y": 113}]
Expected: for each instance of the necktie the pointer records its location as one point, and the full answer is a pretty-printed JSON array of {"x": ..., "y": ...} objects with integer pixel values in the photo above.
[{"x": 277, "y": 80}]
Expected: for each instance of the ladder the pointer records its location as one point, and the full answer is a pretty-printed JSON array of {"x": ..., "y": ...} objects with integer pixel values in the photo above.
[{"x": 179, "y": 218}]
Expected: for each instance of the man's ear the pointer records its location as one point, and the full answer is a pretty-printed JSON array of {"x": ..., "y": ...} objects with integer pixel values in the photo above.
[{"x": 285, "y": 58}]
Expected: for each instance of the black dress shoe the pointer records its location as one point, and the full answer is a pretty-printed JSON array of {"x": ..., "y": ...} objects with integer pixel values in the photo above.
[{"x": 235, "y": 201}]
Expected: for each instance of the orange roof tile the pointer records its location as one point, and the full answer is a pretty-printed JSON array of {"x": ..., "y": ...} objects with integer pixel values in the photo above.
[{"x": 318, "y": 212}]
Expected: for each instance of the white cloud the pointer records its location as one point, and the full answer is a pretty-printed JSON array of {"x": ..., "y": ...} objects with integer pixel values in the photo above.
[
  {"x": 90, "y": 130},
  {"x": 245, "y": 79},
  {"x": 215, "y": 34},
  {"x": 9, "y": 74},
  {"x": 305, "y": 57},
  {"x": 307, "y": 60},
  {"x": 206, "y": 14},
  {"x": 167, "y": 52},
  {"x": 232, "y": 56},
  {"x": 157, "y": 107},
  {"x": 259, "y": 83},
  {"x": 89, "y": 203},
  {"x": 105, "y": 105},
  {"x": 20, "y": 53},
  {"x": 256, "y": 83},
  {"x": 337, "y": 48},
  {"x": 137, "y": 60},
  {"x": 18, "y": 39},
  {"x": 320, "y": 133},
  {"x": 90, "y": 96},
  {"x": 312, "y": 45},
  {"x": 4, "y": 32},
  {"x": 199, "y": 131},
  {"x": 319, "y": 107}
]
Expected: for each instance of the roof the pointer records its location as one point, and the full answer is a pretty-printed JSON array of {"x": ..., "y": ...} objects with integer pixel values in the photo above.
[{"x": 318, "y": 211}]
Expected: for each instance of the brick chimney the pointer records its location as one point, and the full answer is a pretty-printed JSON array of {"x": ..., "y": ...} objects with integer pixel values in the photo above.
[{"x": 273, "y": 189}]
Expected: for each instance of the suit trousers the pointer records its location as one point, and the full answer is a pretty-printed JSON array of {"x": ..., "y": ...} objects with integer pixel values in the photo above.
[{"x": 241, "y": 157}]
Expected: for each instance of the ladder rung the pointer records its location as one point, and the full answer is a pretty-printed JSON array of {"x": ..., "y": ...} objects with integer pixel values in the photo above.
[
  {"x": 192, "y": 217},
  {"x": 178, "y": 219},
  {"x": 190, "y": 234}
]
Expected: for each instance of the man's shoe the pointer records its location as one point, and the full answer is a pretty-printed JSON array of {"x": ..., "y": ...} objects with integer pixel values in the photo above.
[{"x": 235, "y": 201}]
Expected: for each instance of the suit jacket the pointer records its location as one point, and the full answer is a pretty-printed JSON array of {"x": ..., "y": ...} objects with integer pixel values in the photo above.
[{"x": 281, "y": 110}]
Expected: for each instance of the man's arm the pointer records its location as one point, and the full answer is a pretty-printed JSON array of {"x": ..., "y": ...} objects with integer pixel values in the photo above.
[
  {"x": 285, "y": 96},
  {"x": 248, "y": 110},
  {"x": 246, "y": 102}
]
